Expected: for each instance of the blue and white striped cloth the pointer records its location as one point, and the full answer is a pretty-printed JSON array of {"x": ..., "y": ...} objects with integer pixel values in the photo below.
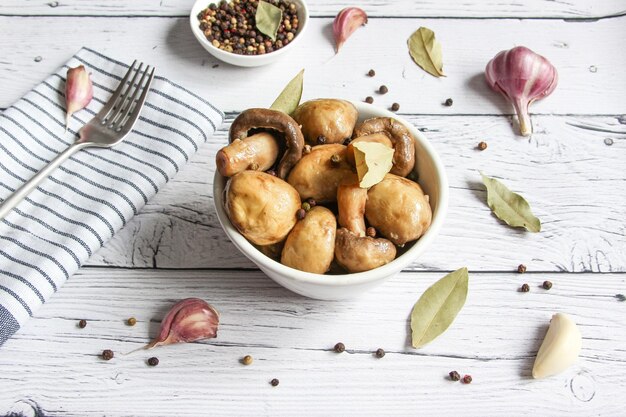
[{"x": 84, "y": 202}]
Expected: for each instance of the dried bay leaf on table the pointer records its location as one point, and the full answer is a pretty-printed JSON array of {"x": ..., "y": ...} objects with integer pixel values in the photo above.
[
  {"x": 289, "y": 99},
  {"x": 438, "y": 306},
  {"x": 268, "y": 19},
  {"x": 510, "y": 207},
  {"x": 426, "y": 51}
]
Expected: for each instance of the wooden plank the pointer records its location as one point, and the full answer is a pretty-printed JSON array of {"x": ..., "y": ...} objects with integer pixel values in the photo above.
[
  {"x": 577, "y": 9},
  {"x": 567, "y": 171},
  {"x": 591, "y": 79},
  {"x": 291, "y": 339}
]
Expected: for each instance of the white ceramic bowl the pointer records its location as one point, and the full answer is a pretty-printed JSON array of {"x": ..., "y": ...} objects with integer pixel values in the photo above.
[
  {"x": 431, "y": 177},
  {"x": 247, "y": 60}
]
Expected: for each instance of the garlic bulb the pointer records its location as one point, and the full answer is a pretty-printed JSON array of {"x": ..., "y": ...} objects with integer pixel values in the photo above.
[
  {"x": 560, "y": 347},
  {"x": 78, "y": 91},
  {"x": 522, "y": 76}
]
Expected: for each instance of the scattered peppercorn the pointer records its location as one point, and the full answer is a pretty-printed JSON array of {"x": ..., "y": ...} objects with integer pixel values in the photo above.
[
  {"x": 300, "y": 214},
  {"x": 449, "y": 102},
  {"x": 82, "y": 324},
  {"x": 370, "y": 231},
  {"x": 467, "y": 379},
  {"x": 369, "y": 99},
  {"x": 371, "y": 73},
  {"x": 274, "y": 382},
  {"x": 347, "y": 141},
  {"x": 311, "y": 202},
  {"x": 340, "y": 347},
  {"x": 321, "y": 139},
  {"x": 525, "y": 288},
  {"x": 306, "y": 206},
  {"x": 620, "y": 297},
  {"x": 247, "y": 360},
  {"x": 454, "y": 376},
  {"x": 383, "y": 89},
  {"x": 131, "y": 321},
  {"x": 107, "y": 354},
  {"x": 395, "y": 107},
  {"x": 521, "y": 268},
  {"x": 482, "y": 146},
  {"x": 38, "y": 59},
  {"x": 271, "y": 172},
  {"x": 153, "y": 361},
  {"x": 380, "y": 353},
  {"x": 547, "y": 285},
  {"x": 335, "y": 160}
]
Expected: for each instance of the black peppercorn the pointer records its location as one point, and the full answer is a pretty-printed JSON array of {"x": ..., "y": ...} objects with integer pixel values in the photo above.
[
  {"x": 340, "y": 347},
  {"x": 153, "y": 361},
  {"x": 370, "y": 231},
  {"x": 371, "y": 73},
  {"x": 454, "y": 376},
  {"x": 449, "y": 102},
  {"x": 82, "y": 324},
  {"x": 335, "y": 160},
  {"x": 312, "y": 202},
  {"x": 380, "y": 353},
  {"x": 395, "y": 107},
  {"x": 369, "y": 99},
  {"x": 347, "y": 141},
  {"x": 547, "y": 285},
  {"x": 107, "y": 354},
  {"x": 521, "y": 268},
  {"x": 274, "y": 382},
  {"x": 467, "y": 379},
  {"x": 383, "y": 89},
  {"x": 482, "y": 146},
  {"x": 525, "y": 288},
  {"x": 321, "y": 139},
  {"x": 300, "y": 214}
]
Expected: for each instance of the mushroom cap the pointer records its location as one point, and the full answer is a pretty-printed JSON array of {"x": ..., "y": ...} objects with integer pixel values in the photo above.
[
  {"x": 310, "y": 245},
  {"x": 358, "y": 254},
  {"x": 398, "y": 209},
  {"x": 261, "y": 206},
  {"x": 314, "y": 176},
  {"x": 403, "y": 141},
  {"x": 257, "y": 152},
  {"x": 272, "y": 119},
  {"x": 334, "y": 119}
]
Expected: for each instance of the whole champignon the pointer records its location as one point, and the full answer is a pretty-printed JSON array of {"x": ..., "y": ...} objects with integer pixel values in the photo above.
[
  {"x": 398, "y": 209},
  {"x": 261, "y": 206},
  {"x": 332, "y": 119},
  {"x": 315, "y": 176},
  {"x": 310, "y": 245},
  {"x": 374, "y": 137},
  {"x": 257, "y": 152},
  {"x": 403, "y": 141},
  {"x": 276, "y": 120},
  {"x": 353, "y": 250}
]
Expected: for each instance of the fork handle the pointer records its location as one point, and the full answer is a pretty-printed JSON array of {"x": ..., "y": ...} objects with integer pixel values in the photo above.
[{"x": 31, "y": 184}]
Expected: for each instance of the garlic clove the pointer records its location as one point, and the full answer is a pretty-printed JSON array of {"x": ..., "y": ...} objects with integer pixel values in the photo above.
[
  {"x": 522, "y": 76},
  {"x": 560, "y": 347},
  {"x": 188, "y": 320},
  {"x": 78, "y": 91},
  {"x": 346, "y": 22}
]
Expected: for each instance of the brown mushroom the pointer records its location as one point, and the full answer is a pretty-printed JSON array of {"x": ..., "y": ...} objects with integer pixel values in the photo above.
[
  {"x": 276, "y": 120},
  {"x": 311, "y": 243},
  {"x": 355, "y": 251},
  {"x": 374, "y": 137},
  {"x": 398, "y": 209},
  {"x": 257, "y": 152},
  {"x": 316, "y": 176},
  {"x": 330, "y": 119},
  {"x": 403, "y": 141},
  {"x": 261, "y": 206}
]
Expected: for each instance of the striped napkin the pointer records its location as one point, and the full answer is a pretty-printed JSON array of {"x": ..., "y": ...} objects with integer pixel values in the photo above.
[{"x": 47, "y": 237}]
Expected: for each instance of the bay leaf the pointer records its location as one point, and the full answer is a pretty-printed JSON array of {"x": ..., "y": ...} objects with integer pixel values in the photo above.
[
  {"x": 289, "y": 99},
  {"x": 426, "y": 51},
  {"x": 373, "y": 161},
  {"x": 438, "y": 306},
  {"x": 510, "y": 207},
  {"x": 268, "y": 18}
]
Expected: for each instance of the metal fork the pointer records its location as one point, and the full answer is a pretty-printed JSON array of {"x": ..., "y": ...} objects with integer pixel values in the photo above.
[{"x": 108, "y": 128}]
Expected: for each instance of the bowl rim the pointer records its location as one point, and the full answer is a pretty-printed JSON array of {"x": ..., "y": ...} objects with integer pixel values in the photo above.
[
  {"x": 266, "y": 263},
  {"x": 195, "y": 28}
]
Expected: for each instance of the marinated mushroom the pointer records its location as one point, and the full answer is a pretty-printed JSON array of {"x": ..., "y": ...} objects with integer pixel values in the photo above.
[
  {"x": 276, "y": 120},
  {"x": 257, "y": 152},
  {"x": 261, "y": 206},
  {"x": 403, "y": 141},
  {"x": 316, "y": 176},
  {"x": 351, "y": 203},
  {"x": 398, "y": 209},
  {"x": 310, "y": 245},
  {"x": 375, "y": 137},
  {"x": 330, "y": 119},
  {"x": 358, "y": 254}
]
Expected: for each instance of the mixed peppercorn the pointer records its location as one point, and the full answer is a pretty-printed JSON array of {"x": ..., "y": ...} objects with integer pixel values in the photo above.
[{"x": 231, "y": 26}]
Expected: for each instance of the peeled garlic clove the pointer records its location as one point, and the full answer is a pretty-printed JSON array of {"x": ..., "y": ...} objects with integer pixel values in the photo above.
[
  {"x": 522, "y": 76},
  {"x": 560, "y": 347},
  {"x": 78, "y": 91},
  {"x": 188, "y": 320},
  {"x": 347, "y": 21}
]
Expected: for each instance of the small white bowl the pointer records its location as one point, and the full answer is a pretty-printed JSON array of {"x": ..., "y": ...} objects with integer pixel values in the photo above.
[
  {"x": 433, "y": 180},
  {"x": 246, "y": 60}
]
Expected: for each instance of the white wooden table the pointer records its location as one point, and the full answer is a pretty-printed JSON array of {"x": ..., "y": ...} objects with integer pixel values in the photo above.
[{"x": 572, "y": 170}]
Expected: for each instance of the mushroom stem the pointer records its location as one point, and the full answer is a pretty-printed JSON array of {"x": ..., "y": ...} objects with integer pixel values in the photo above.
[
  {"x": 358, "y": 254},
  {"x": 351, "y": 199},
  {"x": 257, "y": 152}
]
